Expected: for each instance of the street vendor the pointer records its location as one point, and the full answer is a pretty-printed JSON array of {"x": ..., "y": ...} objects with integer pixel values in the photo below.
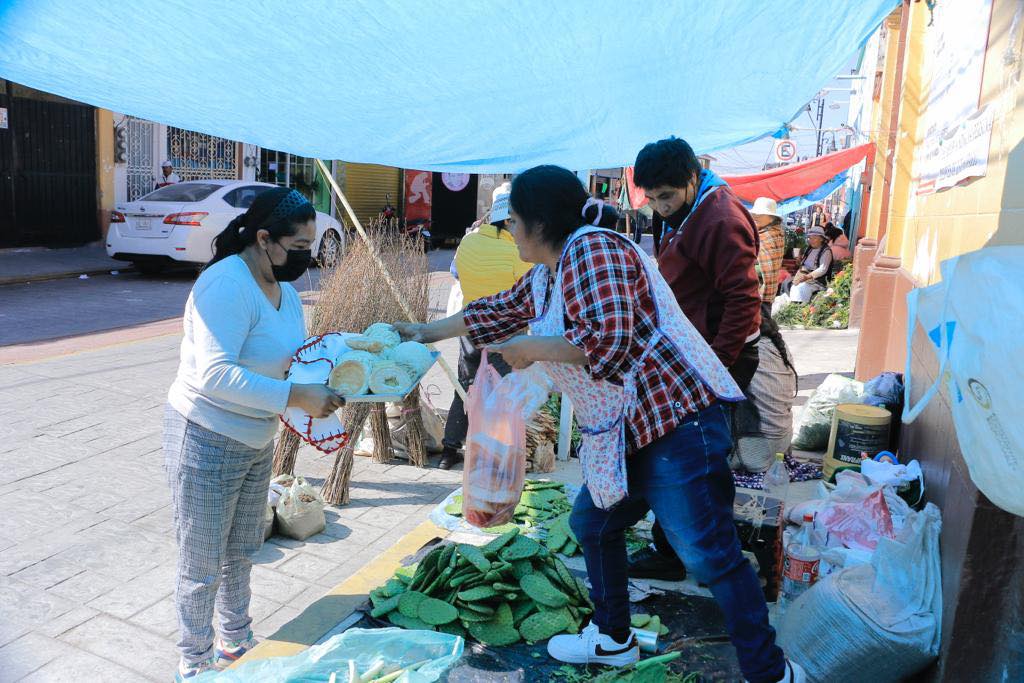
[
  {"x": 647, "y": 389},
  {"x": 243, "y": 322},
  {"x": 708, "y": 256},
  {"x": 815, "y": 270},
  {"x": 768, "y": 220}
]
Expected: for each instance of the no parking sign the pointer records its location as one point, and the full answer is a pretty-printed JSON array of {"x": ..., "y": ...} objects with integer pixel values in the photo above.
[{"x": 785, "y": 151}]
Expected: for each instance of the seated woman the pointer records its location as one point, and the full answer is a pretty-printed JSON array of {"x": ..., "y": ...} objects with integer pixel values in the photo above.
[
  {"x": 815, "y": 270},
  {"x": 605, "y": 326}
]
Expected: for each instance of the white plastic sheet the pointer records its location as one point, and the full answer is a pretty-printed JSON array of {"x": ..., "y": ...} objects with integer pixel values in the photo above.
[{"x": 443, "y": 85}]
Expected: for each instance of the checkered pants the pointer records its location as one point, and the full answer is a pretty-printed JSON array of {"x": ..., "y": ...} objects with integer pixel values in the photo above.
[{"x": 219, "y": 493}]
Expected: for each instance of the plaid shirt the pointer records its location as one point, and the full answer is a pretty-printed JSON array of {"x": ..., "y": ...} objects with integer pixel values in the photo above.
[
  {"x": 773, "y": 244},
  {"x": 610, "y": 315}
]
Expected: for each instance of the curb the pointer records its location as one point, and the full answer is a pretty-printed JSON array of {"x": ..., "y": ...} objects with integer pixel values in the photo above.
[
  {"x": 64, "y": 275},
  {"x": 339, "y": 603}
]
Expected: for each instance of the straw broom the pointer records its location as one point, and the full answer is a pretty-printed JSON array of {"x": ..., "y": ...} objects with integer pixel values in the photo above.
[{"x": 353, "y": 298}]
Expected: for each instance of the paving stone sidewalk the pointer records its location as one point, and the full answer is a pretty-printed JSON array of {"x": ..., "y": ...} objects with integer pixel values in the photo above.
[{"x": 87, "y": 548}]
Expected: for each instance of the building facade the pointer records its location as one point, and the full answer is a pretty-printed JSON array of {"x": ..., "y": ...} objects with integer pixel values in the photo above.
[{"x": 941, "y": 101}]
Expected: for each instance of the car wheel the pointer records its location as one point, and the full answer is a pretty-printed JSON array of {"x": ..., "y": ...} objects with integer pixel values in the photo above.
[
  {"x": 149, "y": 267},
  {"x": 330, "y": 250}
]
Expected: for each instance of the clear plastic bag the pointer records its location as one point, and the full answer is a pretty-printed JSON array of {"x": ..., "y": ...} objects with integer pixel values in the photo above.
[
  {"x": 368, "y": 649},
  {"x": 300, "y": 511},
  {"x": 495, "y": 464}
]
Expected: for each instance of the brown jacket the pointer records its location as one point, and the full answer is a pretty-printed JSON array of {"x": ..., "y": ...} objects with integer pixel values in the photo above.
[{"x": 709, "y": 264}]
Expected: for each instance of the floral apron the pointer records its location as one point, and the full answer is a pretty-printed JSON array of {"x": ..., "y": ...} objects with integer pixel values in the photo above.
[{"x": 602, "y": 407}]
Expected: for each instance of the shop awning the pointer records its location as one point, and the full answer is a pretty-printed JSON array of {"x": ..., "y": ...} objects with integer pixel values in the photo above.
[
  {"x": 446, "y": 85},
  {"x": 787, "y": 182}
]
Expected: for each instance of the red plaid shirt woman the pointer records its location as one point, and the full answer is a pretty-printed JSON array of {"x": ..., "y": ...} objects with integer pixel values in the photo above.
[{"x": 609, "y": 305}]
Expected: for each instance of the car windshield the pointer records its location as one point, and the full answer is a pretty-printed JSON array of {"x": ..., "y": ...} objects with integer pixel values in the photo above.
[{"x": 182, "y": 192}]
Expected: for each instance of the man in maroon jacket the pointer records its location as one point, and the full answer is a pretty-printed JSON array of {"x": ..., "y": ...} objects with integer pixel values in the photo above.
[{"x": 707, "y": 252}]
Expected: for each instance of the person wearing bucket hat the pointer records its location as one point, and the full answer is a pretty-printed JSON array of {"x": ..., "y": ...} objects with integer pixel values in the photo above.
[
  {"x": 815, "y": 270},
  {"x": 486, "y": 262},
  {"x": 773, "y": 243}
]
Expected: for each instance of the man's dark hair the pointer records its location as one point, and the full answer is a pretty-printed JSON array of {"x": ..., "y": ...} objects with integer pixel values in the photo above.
[{"x": 665, "y": 162}]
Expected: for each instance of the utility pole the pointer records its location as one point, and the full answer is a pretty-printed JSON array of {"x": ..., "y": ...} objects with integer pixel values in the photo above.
[{"x": 821, "y": 119}]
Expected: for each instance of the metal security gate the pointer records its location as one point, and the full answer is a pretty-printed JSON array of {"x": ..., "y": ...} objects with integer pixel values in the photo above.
[
  {"x": 198, "y": 156},
  {"x": 142, "y": 161},
  {"x": 47, "y": 170}
]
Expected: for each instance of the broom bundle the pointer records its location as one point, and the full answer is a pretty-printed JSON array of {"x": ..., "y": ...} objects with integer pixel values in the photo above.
[{"x": 353, "y": 296}]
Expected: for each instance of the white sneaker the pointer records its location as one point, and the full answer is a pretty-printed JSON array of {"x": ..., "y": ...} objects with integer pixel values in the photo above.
[
  {"x": 591, "y": 646},
  {"x": 187, "y": 671},
  {"x": 794, "y": 673}
]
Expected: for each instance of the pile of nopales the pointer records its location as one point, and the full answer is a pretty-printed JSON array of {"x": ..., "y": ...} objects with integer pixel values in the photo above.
[
  {"x": 543, "y": 505},
  {"x": 508, "y": 590}
]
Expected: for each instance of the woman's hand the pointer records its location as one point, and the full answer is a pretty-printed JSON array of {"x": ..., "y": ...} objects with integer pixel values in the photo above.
[
  {"x": 518, "y": 352},
  {"x": 411, "y": 332},
  {"x": 318, "y": 400},
  {"x": 428, "y": 333}
]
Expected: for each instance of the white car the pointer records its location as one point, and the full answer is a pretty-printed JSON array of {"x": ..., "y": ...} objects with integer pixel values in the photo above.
[{"x": 177, "y": 223}]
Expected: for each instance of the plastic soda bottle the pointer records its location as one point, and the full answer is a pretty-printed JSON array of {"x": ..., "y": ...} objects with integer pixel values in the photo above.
[
  {"x": 776, "y": 479},
  {"x": 800, "y": 565}
]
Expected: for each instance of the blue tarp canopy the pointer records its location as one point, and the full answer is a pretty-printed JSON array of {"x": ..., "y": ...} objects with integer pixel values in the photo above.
[{"x": 443, "y": 84}]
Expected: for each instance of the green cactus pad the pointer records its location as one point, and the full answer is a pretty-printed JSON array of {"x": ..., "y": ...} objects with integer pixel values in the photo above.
[
  {"x": 467, "y": 615},
  {"x": 453, "y": 628},
  {"x": 540, "y": 588},
  {"x": 540, "y": 484},
  {"x": 392, "y": 587},
  {"x": 544, "y": 624},
  {"x": 412, "y": 623},
  {"x": 501, "y": 541},
  {"x": 494, "y": 634},
  {"x": 477, "y": 594},
  {"x": 505, "y": 588},
  {"x": 503, "y": 615},
  {"x": 475, "y": 556},
  {"x": 521, "y": 548},
  {"x": 523, "y": 609},
  {"x": 521, "y": 568},
  {"x": 478, "y": 607},
  {"x": 409, "y": 603},
  {"x": 388, "y": 605},
  {"x": 435, "y": 612},
  {"x": 500, "y": 529},
  {"x": 639, "y": 620}
]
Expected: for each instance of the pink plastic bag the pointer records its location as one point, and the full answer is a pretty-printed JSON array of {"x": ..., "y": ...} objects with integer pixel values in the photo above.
[
  {"x": 495, "y": 466},
  {"x": 858, "y": 525}
]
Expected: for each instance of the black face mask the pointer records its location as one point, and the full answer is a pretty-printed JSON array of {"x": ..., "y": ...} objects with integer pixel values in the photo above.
[{"x": 296, "y": 264}]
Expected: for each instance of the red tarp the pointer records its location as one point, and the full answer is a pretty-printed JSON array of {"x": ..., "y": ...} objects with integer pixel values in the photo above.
[
  {"x": 796, "y": 180},
  {"x": 780, "y": 183}
]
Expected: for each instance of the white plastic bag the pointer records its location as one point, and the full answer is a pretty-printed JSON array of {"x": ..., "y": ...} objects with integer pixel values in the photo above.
[
  {"x": 300, "y": 512},
  {"x": 975, "y": 317},
  {"x": 816, "y": 419},
  {"x": 873, "y": 622}
]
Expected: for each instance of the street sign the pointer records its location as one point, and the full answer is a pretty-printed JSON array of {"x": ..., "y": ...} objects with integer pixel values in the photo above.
[{"x": 785, "y": 151}]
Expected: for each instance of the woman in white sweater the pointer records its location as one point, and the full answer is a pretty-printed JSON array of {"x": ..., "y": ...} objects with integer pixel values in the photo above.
[{"x": 242, "y": 324}]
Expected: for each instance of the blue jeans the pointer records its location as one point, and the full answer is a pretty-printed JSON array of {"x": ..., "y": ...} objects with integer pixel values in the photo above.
[{"x": 685, "y": 478}]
